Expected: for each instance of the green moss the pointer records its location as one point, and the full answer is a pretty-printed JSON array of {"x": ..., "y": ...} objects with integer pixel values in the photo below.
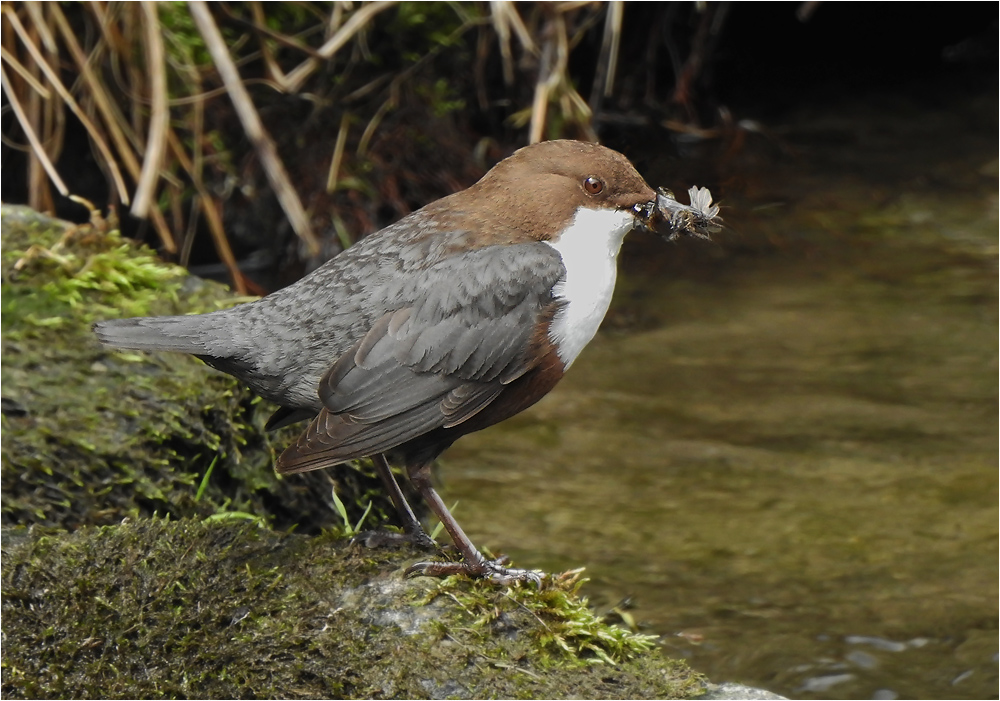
[
  {"x": 92, "y": 435},
  {"x": 159, "y": 609},
  {"x": 569, "y": 633}
]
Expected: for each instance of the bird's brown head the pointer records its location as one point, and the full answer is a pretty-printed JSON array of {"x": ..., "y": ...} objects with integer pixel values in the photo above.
[{"x": 535, "y": 193}]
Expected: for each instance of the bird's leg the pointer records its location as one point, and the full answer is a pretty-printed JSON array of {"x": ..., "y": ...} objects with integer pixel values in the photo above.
[
  {"x": 413, "y": 532},
  {"x": 406, "y": 516},
  {"x": 475, "y": 564}
]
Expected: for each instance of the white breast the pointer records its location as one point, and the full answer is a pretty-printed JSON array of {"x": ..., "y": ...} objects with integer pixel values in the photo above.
[{"x": 589, "y": 250}]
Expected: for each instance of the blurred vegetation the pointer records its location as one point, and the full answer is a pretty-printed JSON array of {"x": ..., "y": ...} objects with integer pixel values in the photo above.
[{"x": 351, "y": 114}]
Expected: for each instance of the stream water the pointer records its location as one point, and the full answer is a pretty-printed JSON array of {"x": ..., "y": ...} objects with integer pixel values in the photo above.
[{"x": 782, "y": 447}]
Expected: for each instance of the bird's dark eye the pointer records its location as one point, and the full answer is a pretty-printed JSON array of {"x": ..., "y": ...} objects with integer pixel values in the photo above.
[{"x": 593, "y": 185}]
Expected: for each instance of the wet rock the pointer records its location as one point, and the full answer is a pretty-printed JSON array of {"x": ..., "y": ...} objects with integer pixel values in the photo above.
[{"x": 729, "y": 690}]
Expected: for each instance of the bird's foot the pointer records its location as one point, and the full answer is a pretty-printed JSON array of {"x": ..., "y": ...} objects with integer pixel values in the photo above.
[
  {"x": 382, "y": 539},
  {"x": 493, "y": 570}
]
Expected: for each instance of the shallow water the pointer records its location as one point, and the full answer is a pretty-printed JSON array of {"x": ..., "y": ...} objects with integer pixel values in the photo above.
[{"x": 783, "y": 446}]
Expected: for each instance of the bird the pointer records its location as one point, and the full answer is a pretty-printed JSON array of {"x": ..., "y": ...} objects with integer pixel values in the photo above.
[{"x": 454, "y": 318}]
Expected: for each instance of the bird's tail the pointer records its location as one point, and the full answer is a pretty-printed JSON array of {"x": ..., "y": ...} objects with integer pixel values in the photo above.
[{"x": 187, "y": 334}]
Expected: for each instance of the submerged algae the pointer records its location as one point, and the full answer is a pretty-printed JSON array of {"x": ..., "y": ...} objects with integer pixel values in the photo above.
[{"x": 195, "y": 609}]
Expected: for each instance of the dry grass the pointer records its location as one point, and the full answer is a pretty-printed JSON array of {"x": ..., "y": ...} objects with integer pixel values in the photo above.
[{"x": 140, "y": 78}]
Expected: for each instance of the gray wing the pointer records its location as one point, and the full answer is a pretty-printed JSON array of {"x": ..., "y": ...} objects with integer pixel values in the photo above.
[{"x": 436, "y": 361}]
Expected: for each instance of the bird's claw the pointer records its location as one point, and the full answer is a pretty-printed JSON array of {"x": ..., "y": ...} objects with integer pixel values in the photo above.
[{"x": 492, "y": 570}]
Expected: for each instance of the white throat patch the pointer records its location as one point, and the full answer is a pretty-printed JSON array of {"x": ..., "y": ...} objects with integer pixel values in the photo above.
[{"x": 589, "y": 250}]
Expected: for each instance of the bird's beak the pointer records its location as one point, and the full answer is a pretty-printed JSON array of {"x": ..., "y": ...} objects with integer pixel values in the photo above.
[{"x": 669, "y": 218}]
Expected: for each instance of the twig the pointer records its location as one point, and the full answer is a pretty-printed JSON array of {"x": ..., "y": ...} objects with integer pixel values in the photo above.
[
  {"x": 607, "y": 62},
  {"x": 501, "y": 25},
  {"x": 285, "y": 82},
  {"x": 207, "y": 204},
  {"x": 39, "y": 195},
  {"x": 36, "y": 145},
  {"x": 352, "y": 26},
  {"x": 156, "y": 142},
  {"x": 293, "y": 80},
  {"x": 510, "y": 15},
  {"x": 263, "y": 144},
  {"x": 338, "y": 154},
  {"x": 25, "y": 74},
  {"x": 540, "y": 102},
  {"x": 380, "y": 113},
  {"x": 125, "y": 143},
  {"x": 38, "y": 22},
  {"x": 115, "y": 122},
  {"x": 71, "y": 102},
  {"x": 211, "y": 210}
]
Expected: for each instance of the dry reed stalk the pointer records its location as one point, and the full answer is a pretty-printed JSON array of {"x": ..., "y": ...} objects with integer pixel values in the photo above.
[
  {"x": 156, "y": 142},
  {"x": 38, "y": 150},
  {"x": 121, "y": 96},
  {"x": 207, "y": 204},
  {"x": 253, "y": 127},
  {"x": 70, "y": 102}
]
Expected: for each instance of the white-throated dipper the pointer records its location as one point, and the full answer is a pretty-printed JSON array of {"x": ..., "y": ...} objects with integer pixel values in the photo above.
[{"x": 458, "y": 316}]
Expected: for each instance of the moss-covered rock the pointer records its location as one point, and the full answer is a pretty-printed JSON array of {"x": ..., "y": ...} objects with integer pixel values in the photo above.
[
  {"x": 205, "y": 600},
  {"x": 224, "y": 609},
  {"x": 91, "y": 435}
]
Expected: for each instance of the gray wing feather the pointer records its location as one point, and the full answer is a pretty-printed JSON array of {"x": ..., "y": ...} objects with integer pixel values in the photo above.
[{"x": 436, "y": 361}]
